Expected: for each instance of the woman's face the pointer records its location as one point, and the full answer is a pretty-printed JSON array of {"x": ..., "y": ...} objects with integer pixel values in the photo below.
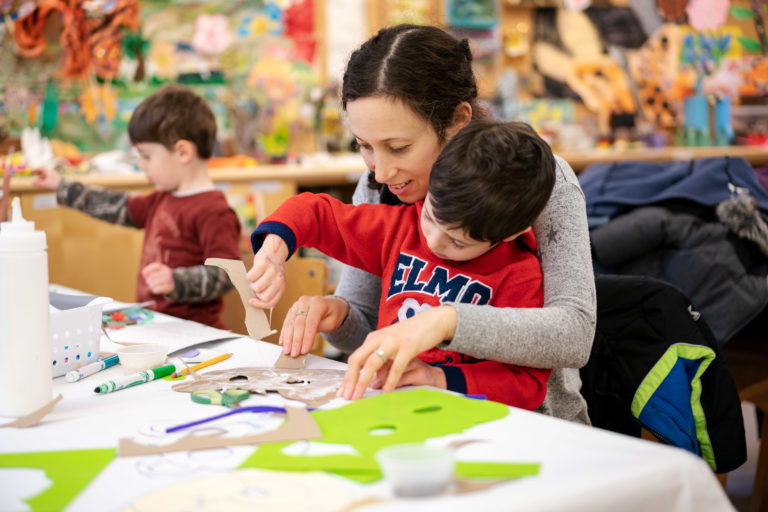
[{"x": 397, "y": 145}]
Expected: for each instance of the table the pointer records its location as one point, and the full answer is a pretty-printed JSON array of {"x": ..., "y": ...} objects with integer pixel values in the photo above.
[{"x": 582, "y": 468}]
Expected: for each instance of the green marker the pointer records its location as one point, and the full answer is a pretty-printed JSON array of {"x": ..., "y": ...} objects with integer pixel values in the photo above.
[{"x": 135, "y": 379}]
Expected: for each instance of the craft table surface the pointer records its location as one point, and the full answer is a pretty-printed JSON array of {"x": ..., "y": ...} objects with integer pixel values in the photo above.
[{"x": 582, "y": 468}]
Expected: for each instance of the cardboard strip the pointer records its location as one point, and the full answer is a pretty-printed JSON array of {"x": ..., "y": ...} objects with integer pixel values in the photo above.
[
  {"x": 34, "y": 417},
  {"x": 255, "y": 319},
  {"x": 284, "y": 361},
  {"x": 298, "y": 425}
]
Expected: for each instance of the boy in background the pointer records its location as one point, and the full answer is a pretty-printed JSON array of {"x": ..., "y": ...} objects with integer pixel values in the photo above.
[
  {"x": 469, "y": 241},
  {"x": 186, "y": 220}
]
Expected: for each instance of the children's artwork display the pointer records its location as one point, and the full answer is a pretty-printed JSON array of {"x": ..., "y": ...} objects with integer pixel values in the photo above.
[
  {"x": 78, "y": 69},
  {"x": 674, "y": 67}
]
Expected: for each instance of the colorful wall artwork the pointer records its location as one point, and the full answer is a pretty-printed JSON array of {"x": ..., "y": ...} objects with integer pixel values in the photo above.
[{"x": 78, "y": 69}]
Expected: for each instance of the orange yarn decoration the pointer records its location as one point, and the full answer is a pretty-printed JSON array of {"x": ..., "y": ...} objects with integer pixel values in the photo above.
[
  {"x": 28, "y": 31},
  {"x": 106, "y": 40},
  {"x": 86, "y": 42}
]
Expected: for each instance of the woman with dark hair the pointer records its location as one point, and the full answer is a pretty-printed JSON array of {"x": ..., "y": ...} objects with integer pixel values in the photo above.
[{"x": 407, "y": 91}]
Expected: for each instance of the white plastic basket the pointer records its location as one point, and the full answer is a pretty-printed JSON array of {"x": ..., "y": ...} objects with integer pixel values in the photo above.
[{"x": 75, "y": 325}]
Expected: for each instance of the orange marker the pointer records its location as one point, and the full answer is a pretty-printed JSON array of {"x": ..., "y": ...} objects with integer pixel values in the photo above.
[{"x": 199, "y": 366}]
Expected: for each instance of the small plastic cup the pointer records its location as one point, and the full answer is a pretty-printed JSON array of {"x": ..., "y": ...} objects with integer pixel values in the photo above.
[
  {"x": 415, "y": 469},
  {"x": 135, "y": 358}
]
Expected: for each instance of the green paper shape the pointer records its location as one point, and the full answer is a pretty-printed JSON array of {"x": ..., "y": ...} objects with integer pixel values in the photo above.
[
  {"x": 413, "y": 416},
  {"x": 496, "y": 469},
  {"x": 70, "y": 471},
  {"x": 749, "y": 43},
  {"x": 50, "y": 108},
  {"x": 741, "y": 13}
]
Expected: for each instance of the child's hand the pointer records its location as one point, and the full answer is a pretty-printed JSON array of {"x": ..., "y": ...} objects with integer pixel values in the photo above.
[
  {"x": 396, "y": 346},
  {"x": 267, "y": 276},
  {"x": 159, "y": 278},
  {"x": 47, "y": 178},
  {"x": 307, "y": 317}
]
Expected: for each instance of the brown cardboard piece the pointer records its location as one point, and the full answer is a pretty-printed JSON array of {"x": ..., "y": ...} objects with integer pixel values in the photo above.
[
  {"x": 255, "y": 319},
  {"x": 314, "y": 387},
  {"x": 298, "y": 425},
  {"x": 33, "y": 418}
]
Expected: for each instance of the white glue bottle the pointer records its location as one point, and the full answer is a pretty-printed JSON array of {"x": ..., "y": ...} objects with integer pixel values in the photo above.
[{"x": 25, "y": 345}]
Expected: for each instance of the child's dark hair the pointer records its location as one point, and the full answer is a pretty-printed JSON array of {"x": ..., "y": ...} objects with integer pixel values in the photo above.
[
  {"x": 424, "y": 67},
  {"x": 174, "y": 113},
  {"x": 492, "y": 179}
]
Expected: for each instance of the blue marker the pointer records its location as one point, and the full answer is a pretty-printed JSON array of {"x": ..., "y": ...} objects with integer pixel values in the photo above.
[{"x": 90, "y": 369}]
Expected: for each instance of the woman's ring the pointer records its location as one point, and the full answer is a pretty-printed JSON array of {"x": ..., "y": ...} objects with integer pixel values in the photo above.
[
  {"x": 301, "y": 313},
  {"x": 381, "y": 354}
]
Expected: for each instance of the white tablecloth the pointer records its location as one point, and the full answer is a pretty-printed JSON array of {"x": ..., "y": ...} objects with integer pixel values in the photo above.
[{"x": 582, "y": 468}]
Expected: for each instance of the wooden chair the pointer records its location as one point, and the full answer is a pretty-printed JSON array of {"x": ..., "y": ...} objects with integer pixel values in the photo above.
[
  {"x": 747, "y": 358},
  {"x": 304, "y": 276}
]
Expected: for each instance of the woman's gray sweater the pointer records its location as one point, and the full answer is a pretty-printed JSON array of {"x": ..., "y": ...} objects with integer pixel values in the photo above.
[{"x": 557, "y": 336}]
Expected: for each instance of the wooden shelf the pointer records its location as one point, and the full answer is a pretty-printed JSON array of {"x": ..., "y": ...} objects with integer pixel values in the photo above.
[
  {"x": 344, "y": 172},
  {"x": 579, "y": 160}
]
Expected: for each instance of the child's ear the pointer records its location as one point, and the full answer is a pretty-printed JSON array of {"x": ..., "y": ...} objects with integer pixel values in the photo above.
[
  {"x": 185, "y": 150},
  {"x": 461, "y": 118},
  {"x": 510, "y": 238}
]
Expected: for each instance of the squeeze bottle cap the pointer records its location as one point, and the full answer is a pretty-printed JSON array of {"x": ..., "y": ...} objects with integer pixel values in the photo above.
[{"x": 19, "y": 234}]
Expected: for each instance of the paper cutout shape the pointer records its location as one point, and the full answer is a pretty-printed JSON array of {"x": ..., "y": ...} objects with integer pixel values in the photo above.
[
  {"x": 27, "y": 483},
  {"x": 314, "y": 387},
  {"x": 298, "y": 425},
  {"x": 252, "y": 489},
  {"x": 34, "y": 417},
  {"x": 70, "y": 471},
  {"x": 411, "y": 416},
  {"x": 255, "y": 319},
  {"x": 285, "y": 361}
]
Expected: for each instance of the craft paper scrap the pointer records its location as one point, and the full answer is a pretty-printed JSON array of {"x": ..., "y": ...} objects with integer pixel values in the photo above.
[
  {"x": 69, "y": 471},
  {"x": 298, "y": 425},
  {"x": 255, "y": 319},
  {"x": 247, "y": 490},
  {"x": 285, "y": 361},
  {"x": 314, "y": 387},
  {"x": 33, "y": 418},
  {"x": 410, "y": 417}
]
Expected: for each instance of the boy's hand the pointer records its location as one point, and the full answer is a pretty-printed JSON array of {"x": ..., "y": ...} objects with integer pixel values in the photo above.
[
  {"x": 267, "y": 276},
  {"x": 159, "y": 278},
  {"x": 307, "y": 317},
  {"x": 398, "y": 345},
  {"x": 416, "y": 373},
  {"x": 47, "y": 178}
]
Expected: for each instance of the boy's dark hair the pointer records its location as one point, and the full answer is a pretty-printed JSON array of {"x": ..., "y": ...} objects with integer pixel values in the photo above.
[
  {"x": 492, "y": 179},
  {"x": 424, "y": 67},
  {"x": 174, "y": 113}
]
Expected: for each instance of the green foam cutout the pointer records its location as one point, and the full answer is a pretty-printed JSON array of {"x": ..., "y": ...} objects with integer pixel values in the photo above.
[
  {"x": 410, "y": 416},
  {"x": 70, "y": 471},
  {"x": 496, "y": 469}
]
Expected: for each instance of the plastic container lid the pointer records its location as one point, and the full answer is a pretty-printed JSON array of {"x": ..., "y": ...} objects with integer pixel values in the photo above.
[
  {"x": 19, "y": 234},
  {"x": 415, "y": 469}
]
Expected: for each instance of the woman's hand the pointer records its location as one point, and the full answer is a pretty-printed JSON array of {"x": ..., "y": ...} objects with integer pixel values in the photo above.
[
  {"x": 399, "y": 344},
  {"x": 307, "y": 317},
  {"x": 267, "y": 275},
  {"x": 416, "y": 373}
]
